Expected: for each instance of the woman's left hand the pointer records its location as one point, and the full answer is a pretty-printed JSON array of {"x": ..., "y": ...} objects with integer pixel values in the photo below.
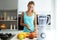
[{"x": 35, "y": 33}]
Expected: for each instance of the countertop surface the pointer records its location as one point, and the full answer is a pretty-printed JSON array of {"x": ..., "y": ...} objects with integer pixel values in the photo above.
[
  {"x": 15, "y": 37},
  {"x": 49, "y": 32},
  {"x": 15, "y": 32}
]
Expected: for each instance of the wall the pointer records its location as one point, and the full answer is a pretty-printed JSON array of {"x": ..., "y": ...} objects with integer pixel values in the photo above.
[
  {"x": 8, "y": 4},
  {"x": 40, "y": 5},
  {"x": 1, "y": 4}
]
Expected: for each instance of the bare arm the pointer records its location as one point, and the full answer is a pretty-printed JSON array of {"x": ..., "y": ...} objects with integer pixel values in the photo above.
[
  {"x": 35, "y": 21},
  {"x": 21, "y": 22}
]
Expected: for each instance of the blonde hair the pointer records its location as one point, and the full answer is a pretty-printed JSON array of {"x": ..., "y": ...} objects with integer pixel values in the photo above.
[{"x": 31, "y": 2}]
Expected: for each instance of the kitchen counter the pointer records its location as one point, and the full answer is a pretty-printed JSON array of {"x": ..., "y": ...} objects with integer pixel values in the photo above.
[
  {"x": 9, "y": 31},
  {"x": 50, "y": 34},
  {"x": 15, "y": 37},
  {"x": 14, "y": 32}
]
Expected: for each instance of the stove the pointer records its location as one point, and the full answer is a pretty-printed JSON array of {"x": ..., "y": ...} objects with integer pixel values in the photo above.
[{"x": 6, "y": 36}]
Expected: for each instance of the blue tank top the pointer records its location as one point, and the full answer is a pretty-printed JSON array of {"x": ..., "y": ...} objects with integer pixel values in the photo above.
[{"x": 30, "y": 21}]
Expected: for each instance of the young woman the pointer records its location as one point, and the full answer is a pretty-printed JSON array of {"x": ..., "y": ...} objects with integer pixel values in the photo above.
[{"x": 30, "y": 19}]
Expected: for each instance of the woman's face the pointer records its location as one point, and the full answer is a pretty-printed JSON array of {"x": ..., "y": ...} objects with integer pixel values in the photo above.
[{"x": 30, "y": 7}]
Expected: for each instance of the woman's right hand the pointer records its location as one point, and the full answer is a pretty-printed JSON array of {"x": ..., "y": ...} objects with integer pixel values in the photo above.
[{"x": 27, "y": 26}]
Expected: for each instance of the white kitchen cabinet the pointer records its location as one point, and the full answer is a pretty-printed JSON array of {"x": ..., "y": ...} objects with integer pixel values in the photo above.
[{"x": 8, "y": 4}]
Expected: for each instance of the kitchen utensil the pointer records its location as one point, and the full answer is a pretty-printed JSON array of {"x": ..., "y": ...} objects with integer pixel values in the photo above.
[
  {"x": 11, "y": 17},
  {"x": 3, "y": 26},
  {"x": 8, "y": 18},
  {"x": 5, "y": 15},
  {"x": 11, "y": 27},
  {"x": 14, "y": 26}
]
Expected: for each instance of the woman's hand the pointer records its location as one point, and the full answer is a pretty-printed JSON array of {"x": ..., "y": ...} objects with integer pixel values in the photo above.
[
  {"x": 35, "y": 30},
  {"x": 27, "y": 26},
  {"x": 35, "y": 33}
]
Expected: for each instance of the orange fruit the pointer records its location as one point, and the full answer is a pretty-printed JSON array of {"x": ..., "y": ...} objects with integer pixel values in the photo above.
[
  {"x": 31, "y": 36},
  {"x": 35, "y": 34}
]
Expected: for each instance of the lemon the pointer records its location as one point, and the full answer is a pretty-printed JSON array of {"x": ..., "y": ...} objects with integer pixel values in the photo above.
[
  {"x": 24, "y": 34},
  {"x": 21, "y": 37},
  {"x": 18, "y": 35}
]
